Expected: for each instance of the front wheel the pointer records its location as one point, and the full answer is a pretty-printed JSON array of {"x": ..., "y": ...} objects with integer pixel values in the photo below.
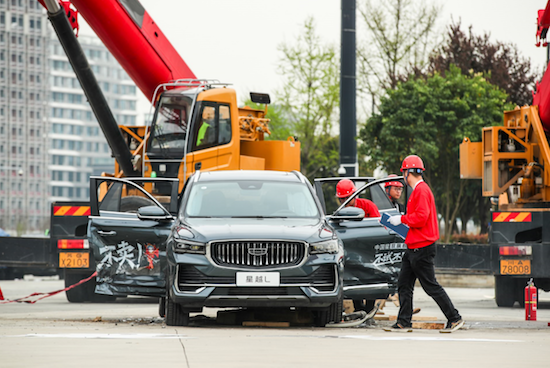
[
  {"x": 175, "y": 316},
  {"x": 331, "y": 314}
]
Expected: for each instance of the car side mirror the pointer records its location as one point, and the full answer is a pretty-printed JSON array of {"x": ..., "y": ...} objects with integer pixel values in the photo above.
[
  {"x": 349, "y": 214},
  {"x": 153, "y": 213}
]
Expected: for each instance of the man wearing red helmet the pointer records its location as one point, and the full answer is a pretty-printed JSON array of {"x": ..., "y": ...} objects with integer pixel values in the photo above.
[
  {"x": 418, "y": 260},
  {"x": 393, "y": 190},
  {"x": 346, "y": 188}
]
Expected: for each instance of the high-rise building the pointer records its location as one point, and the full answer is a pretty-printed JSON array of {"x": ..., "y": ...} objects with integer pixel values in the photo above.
[
  {"x": 23, "y": 116},
  {"x": 78, "y": 147},
  {"x": 50, "y": 141}
]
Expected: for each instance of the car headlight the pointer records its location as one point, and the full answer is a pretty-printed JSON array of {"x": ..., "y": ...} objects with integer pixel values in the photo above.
[
  {"x": 327, "y": 246},
  {"x": 187, "y": 246}
]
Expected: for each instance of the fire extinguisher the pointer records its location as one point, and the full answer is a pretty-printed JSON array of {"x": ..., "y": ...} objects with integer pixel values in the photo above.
[{"x": 530, "y": 301}]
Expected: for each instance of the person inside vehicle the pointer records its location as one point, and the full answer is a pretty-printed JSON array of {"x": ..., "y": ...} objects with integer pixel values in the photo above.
[
  {"x": 345, "y": 188},
  {"x": 394, "y": 190},
  {"x": 205, "y": 134}
]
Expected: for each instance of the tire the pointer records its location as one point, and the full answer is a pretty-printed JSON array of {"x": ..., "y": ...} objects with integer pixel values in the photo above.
[
  {"x": 162, "y": 307},
  {"x": 363, "y": 305},
  {"x": 79, "y": 294},
  {"x": 133, "y": 203},
  {"x": 175, "y": 316},
  {"x": 331, "y": 314},
  {"x": 505, "y": 291}
]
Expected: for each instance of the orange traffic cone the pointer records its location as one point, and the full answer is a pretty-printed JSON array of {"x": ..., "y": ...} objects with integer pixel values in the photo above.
[{"x": 1, "y": 295}]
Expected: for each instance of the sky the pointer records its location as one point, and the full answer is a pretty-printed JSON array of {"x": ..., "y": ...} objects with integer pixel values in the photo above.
[{"x": 236, "y": 41}]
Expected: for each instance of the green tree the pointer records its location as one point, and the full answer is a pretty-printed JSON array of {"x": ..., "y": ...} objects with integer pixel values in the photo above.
[
  {"x": 399, "y": 36},
  {"x": 309, "y": 100},
  {"x": 429, "y": 117}
]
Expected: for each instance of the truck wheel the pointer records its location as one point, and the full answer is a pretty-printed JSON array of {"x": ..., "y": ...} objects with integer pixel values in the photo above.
[
  {"x": 79, "y": 294},
  {"x": 175, "y": 316},
  {"x": 162, "y": 307},
  {"x": 505, "y": 293}
]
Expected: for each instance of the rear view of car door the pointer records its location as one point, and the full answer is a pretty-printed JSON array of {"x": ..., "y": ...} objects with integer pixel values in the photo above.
[{"x": 127, "y": 232}]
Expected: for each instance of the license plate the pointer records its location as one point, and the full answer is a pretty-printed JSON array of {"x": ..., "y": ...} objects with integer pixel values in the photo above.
[
  {"x": 258, "y": 278},
  {"x": 515, "y": 267},
  {"x": 74, "y": 260}
]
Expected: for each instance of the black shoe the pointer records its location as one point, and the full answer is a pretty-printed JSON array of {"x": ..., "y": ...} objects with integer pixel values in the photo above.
[
  {"x": 397, "y": 327},
  {"x": 453, "y": 326}
]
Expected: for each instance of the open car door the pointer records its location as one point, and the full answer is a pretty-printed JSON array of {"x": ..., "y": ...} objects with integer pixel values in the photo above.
[
  {"x": 127, "y": 232},
  {"x": 373, "y": 254}
]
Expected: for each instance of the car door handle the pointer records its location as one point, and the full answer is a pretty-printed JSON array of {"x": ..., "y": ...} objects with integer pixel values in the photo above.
[
  {"x": 106, "y": 233},
  {"x": 198, "y": 165}
]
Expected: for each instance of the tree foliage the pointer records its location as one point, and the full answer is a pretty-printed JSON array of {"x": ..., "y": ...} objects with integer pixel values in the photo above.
[
  {"x": 399, "y": 36},
  {"x": 429, "y": 117},
  {"x": 500, "y": 62},
  {"x": 309, "y": 100}
]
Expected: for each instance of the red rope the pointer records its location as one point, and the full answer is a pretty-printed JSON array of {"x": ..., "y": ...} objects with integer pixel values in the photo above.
[{"x": 45, "y": 295}]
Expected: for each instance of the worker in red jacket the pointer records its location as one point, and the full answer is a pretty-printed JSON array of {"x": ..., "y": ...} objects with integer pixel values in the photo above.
[
  {"x": 394, "y": 189},
  {"x": 346, "y": 188},
  {"x": 418, "y": 260}
]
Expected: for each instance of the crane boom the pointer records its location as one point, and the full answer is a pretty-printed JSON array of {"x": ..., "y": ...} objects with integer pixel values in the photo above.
[{"x": 136, "y": 41}]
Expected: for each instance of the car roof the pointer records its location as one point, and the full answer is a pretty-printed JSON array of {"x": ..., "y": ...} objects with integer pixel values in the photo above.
[{"x": 261, "y": 175}]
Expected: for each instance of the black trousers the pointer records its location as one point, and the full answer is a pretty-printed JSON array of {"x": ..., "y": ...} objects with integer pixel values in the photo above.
[{"x": 419, "y": 264}]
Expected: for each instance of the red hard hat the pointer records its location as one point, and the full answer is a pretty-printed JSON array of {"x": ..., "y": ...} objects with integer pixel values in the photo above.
[
  {"x": 393, "y": 183},
  {"x": 345, "y": 188},
  {"x": 412, "y": 162}
]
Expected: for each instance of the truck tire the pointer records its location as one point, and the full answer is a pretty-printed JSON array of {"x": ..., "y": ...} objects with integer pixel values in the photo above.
[
  {"x": 175, "y": 316},
  {"x": 505, "y": 291},
  {"x": 80, "y": 293},
  {"x": 162, "y": 307}
]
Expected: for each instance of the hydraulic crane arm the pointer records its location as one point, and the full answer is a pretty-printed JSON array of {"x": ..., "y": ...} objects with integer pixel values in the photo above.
[{"x": 135, "y": 40}]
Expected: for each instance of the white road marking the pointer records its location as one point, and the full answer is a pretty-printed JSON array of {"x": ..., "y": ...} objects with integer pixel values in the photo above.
[
  {"x": 105, "y": 336},
  {"x": 421, "y": 338}
]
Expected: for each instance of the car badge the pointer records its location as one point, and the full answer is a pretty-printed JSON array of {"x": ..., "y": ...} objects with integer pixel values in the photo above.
[{"x": 257, "y": 249}]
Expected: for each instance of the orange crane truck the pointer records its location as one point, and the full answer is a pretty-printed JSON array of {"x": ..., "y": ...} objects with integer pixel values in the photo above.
[
  {"x": 513, "y": 161},
  {"x": 197, "y": 125}
]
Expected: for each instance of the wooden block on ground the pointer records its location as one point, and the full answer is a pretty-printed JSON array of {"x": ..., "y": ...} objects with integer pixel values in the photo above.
[
  {"x": 348, "y": 306},
  {"x": 428, "y": 325},
  {"x": 265, "y": 324},
  {"x": 415, "y": 318},
  {"x": 382, "y": 318}
]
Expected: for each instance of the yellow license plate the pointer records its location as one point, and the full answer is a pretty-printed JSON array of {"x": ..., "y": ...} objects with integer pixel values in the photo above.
[
  {"x": 74, "y": 260},
  {"x": 515, "y": 267}
]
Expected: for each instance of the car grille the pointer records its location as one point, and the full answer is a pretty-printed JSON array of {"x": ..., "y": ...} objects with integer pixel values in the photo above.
[{"x": 258, "y": 254}]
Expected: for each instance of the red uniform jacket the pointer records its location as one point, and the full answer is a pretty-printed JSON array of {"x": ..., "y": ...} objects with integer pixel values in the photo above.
[
  {"x": 368, "y": 206},
  {"x": 421, "y": 218}
]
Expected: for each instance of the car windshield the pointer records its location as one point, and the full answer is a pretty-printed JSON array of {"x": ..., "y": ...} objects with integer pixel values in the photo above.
[{"x": 250, "y": 199}]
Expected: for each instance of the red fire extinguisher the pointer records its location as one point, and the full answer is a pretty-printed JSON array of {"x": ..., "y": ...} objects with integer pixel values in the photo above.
[{"x": 530, "y": 301}]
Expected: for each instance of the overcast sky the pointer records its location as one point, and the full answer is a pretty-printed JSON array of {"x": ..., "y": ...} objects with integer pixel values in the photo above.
[{"x": 235, "y": 41}]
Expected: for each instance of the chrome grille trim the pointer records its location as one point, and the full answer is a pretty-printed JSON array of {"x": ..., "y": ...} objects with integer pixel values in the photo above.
[{"x": 257, "y": 253}]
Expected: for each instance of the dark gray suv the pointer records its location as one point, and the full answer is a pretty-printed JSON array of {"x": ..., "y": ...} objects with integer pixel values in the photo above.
[{"x": 252, "y": 239}]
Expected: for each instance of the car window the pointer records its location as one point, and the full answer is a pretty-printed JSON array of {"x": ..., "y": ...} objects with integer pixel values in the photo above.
[
  {"x": 374, "y": 193},
  {"x": 121, "y": 197},
  {"x": 250, "y": 199}
]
